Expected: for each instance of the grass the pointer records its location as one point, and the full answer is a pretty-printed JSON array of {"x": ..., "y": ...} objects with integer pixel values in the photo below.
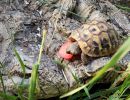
[
  {"x": 115, "y": 92},
  {"x": 124, "y": 7},
  {"x": 123, "y": 50},
  {"x": 112, "y": 93},
  {"x": 4, "y": 95},
  {"x": 34, "y": 74},
  {"x": 33, "y": 80}
]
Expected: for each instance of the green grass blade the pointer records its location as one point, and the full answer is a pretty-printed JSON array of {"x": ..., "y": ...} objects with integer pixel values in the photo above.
[
  {"x": 78, "y": 81},
  {"x": 128, "y": 98},
  {"x": 2, "y": 82},
  {"x": 20, "y": 61},
  {"x": 8, "y": 97},
  {"x": 60, "y": 64},
  {"x": 123, "y": 50},
  {"x": 3, "y": 94},
  {"x": 102, "y": 93},
  {"x": 126, "y": 83},
  {"x": 33, "y": 82},
  {"x": 20, "y": 89},
  {"x": 124, "y": 8},
  {"x": 115, "y": 96},
  {"x": 42, "y": 46},
  {"x": 34, "y": 74},
  {"x": 63, "y": 66},
  {"x": 120, "y": 78},
  {"x": 87, "y": 92}
]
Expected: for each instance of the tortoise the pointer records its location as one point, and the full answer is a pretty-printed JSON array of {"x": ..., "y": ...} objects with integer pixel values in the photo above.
[{"x": 94, "y": 39}]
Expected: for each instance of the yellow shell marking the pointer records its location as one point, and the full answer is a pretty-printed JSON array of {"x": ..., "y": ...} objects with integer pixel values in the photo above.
[{"x": 97, "y": 39}]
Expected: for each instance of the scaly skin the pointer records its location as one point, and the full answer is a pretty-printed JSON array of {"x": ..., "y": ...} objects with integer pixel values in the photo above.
[{"x": 51, "y": 78}]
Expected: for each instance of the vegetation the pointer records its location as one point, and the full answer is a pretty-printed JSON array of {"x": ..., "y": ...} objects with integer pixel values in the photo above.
[
  {"x": 114, "y": 92},
  {"x": 119, "y": 90}
]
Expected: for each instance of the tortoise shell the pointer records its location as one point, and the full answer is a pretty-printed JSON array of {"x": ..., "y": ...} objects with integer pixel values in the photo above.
[{"x": 96, "y": 39}]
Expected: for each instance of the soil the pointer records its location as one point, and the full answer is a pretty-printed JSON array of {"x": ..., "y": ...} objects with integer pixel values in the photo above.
[{"x": 21, "y": 26}]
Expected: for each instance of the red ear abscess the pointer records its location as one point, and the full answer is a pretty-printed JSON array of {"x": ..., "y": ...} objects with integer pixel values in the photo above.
[{"x": 62, "y": 51}]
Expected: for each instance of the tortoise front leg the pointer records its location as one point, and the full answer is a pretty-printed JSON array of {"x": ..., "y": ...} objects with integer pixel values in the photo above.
[
  {"x": 85, "y": 59},
  {"x": 73, "y": 49}
]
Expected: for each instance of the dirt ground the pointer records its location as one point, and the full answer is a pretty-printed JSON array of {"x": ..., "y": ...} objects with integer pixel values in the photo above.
[{"x": 22, "y": 22}]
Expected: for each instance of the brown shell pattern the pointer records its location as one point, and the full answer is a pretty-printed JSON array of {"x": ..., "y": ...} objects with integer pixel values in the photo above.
[{"x": 97, "y": 39}]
